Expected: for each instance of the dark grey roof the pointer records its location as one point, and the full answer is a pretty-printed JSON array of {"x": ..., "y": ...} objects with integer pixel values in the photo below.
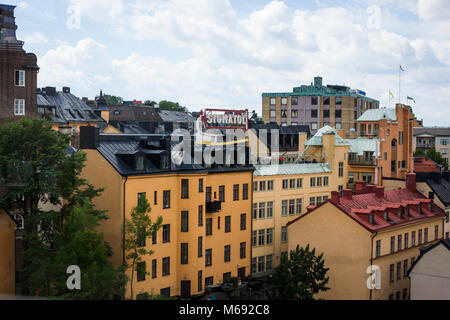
[
  {"x": 435, "y": 131},
  {"x": 69, "y": 108},
  {"x": 283, "y": 129},
  {"x": 442, "y": 190},
  {"x": 175, "y": 116},
  {"x": 424, "y": 250}
]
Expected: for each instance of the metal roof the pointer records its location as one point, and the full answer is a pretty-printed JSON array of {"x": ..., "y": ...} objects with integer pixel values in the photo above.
[
  {"x": 291, "y": 169},
  {"x": 175, "y": 116},
  {"x": 431, "y": 131},
  {"x": 316, "y": 140},
  {"x": 379, "y": 114},
  {"x": 360, "y": 145}
]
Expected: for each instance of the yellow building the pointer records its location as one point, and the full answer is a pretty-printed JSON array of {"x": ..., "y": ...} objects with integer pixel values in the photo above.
[
  {"x": 205, "y": 237},
  {"x": 378, "y": 228},
  {"x": 7, "y": 256},
  {"x": 283, "y": 192}
]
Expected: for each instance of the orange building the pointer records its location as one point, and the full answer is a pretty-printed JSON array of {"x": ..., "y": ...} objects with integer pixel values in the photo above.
[
  {"x": 394, "y": 128},
  {"x": 206, "y": 232},
  {"x": 369, "y": 239}
]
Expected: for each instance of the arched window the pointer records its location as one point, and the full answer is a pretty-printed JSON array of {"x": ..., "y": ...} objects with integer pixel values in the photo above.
[{"x": 394, "y": 142}]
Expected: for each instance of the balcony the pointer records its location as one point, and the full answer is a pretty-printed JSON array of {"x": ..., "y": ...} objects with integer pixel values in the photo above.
[
  {"x": 425, "y": 145},
  {"x": 213, "y": 206},
  {"x": 363, "y": 162}
]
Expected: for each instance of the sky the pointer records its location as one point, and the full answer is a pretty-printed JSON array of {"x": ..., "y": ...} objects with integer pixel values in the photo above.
[{"x": 226, "y": 53}]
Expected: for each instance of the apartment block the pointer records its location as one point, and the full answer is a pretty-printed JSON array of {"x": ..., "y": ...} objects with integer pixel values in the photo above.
[
  {"x": 437, "y": 138},
  {"x": 317, "y": 105}
]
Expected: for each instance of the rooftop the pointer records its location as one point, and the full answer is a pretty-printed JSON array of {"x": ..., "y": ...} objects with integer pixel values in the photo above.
[
  {"x": 316, "y": 140},
  {"x": 175, "y": 116},
  {"x": 423, "y": 164},
  {"x": 431, "y": 131},
  {"x": 291, "y": 169},
  {"x": 379, "y": 114},
  {"x": 361, "y": 145}
]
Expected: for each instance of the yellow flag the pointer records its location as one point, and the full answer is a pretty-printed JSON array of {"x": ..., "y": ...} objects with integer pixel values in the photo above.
[{"x": 391, "y": 95}]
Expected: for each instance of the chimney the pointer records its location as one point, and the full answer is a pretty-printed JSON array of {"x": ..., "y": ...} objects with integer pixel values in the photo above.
[
  {"x": 379, "y": 192},
  {"x": 89, "y": 137},
  {"x": 371, "y": 188},
  {"x": 66, "y": 90},
  {"x": 411, "y": 181},
  {"x": 360, "y": 187},
  {"x": 334, "y": 197},
  {"x": 347, "y": 194}
]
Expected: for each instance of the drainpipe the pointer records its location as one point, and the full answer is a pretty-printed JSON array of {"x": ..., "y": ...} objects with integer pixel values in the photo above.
[
  {"x": 123, "y": 235},
  {"x": 371, "y": 256}
]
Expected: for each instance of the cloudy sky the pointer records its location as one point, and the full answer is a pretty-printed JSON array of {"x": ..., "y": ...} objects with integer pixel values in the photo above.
[{"x": 225, "y": 53}]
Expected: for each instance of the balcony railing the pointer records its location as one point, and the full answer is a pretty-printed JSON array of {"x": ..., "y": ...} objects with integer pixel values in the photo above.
[
  {"x": 362, "y": 162},
  {"x": 425, "y": 145},
  {"x": 213, "y": 206}
]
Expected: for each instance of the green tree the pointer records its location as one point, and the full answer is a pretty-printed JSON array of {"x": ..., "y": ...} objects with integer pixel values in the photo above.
[
  {"x": 171, "y": 106},
  {"x": 113, "y": 100},
  {"x": 419, "y": 152},
  {"x": 300, "y": 276},
  {"x": 77, "y": 243},
  {"x": 437, "y": 157},
  {"x": 136, "y": 232}
]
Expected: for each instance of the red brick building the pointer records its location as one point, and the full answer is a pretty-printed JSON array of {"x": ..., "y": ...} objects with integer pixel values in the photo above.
[{"x": 18, "y": 71}]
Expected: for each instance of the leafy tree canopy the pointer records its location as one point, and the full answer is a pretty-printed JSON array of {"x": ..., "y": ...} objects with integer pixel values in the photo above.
[
  {"x": 171, "y": 106},
  {"x": 113, "y": 100}
]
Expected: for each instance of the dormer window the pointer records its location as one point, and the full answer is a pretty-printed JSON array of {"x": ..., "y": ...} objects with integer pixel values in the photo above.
[
  {"x": 419, "y": 209},
  {"x": 406, "y": 211},
  {"x": 429, "y": 206},
  {"x": 371, "y": 218},
  {"x": 139, "y": 162},
  {"x": 399, "y": 212}
]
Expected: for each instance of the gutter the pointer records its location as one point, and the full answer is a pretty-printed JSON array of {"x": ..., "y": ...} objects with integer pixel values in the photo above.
[
  {"x": 371, "y": 257},
  {"x": 123, "y": 228}
]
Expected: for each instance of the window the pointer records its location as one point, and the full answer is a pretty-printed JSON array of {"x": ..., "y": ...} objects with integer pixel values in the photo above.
[
  {"x": 283, "y": 114},
  {"x": 166, "y": 233},
  {"x": 399, "y": 270},
  {"x": 285, "y": 183},
  {"x": 318, "y": 200},
  {"x": 299, "y": 183},
  {"x": 425, "y": 235},
  {"x": 154, "y": 237},
  {"x": 209, "y": 281},
  {"x": 184, "y": 253},
  {"x": 269, "y": 262},
  {"x": 298, "y": 206},
  {"x": 447, "y": 235},
  {"x": 254, "y": 265},
  {"x": 262, "y": 186},
  {"x": 436, "y": 232},
  {"x": 226, "y": 253},
  {"x": 155, "y": 195},
  {"x": 292, "y": 183},
  {"x": 154, "y": 263},
  {"x": 166, "y": 266},
  {"x": 392, "y": 244},
  {"x": 19, "y": 107},
  {"x": 338, "y": 101},
  {"x": 200, "y": 247},
  {"x": 292, "y": 207},
  {"x": 272, "y": 113},
  {"x": 254, "y": 238},
  {"x": 243, "y": 221},
  {"x": 269, "y": 236},
  {"x": 140, "y": 269},
  {"x": 319, "y": 181},
  {"x": 391, "y": 273},
  {"x": 283, "y": 234},
  {"x": 338, "y": 126},
  {"x": 391, "y": 297},
  {"x": 294, "y": 113},
  {"x": 313, "y": 182},
  {"x": 236, "y": 192},
  {"x": 227, "y": 224},
  {"x": 313, "y": 113},
  {"x": 184, "y": 221},
  {"x": 314, "y": 101},
  {"x": 20, "y": 78},
  {"x": 226, "y": 277},
  {"x": 255, "y": 186},
  {"x": 420, "y": 236},
  {"x": 283, "y": 101},
  {"x": 140, "y": 197},
  {"x": 314, "y": 126},
  {"x": 378, "y": 248},
  {"x": 413, "y": 239},
  {"x": 399, "y": 241},
  {"x": 166, "y": 199},
  {"x": 242, "y": 250},
  {"x": 261, "y": 263},
  {"x": 284, "y": 204},
  {"x": 400, "y": 137},
  {"x": 405, "y": 242},
  {"x": 338, "y": 114},
  {"x": 405, "y": 268},
  {"x": 262, "y": 210},
  {"x": 222, "y": 193},
  {"x": 218, "y": 223},
  {"x": 255, "y": 211},
  {"x": 208, "y": 194},
  {"x": 208, "y": 257},
  {"x": 326, "y": 101},
  {"x": 294, "y": 100},
  {"x": 245, "y": 191},
  {"x": 200, "y": 215},
  {"x": 184, "y": 189},
  {"x": 326, "y": 113},
  {"x": 272, "y": 101},
  {"x": 397, "y": 295},
  {"x": 341, "y": 169},
  {"x": 270, "y": 209},
  {"x": 270, "y": 185},
  {"x": 209, "y": 226},
  {"x": 200, "y": 185},
  {"x": 261, "y": 237},
  {"x": 141, "y": 237},
  {"x": 200, "y": 280}
]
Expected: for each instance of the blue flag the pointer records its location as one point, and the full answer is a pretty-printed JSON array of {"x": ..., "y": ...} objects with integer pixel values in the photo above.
[
  {"x": 409, "y": 98},
  {"x": 401, "y": 68}
]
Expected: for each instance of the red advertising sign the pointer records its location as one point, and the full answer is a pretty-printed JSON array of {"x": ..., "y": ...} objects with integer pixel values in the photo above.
[{"x": 224, "y": 119}]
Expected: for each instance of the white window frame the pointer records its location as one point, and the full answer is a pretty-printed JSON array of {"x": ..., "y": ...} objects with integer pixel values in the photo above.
[
  {"x": 273, "y": 101},
  {"x": 21, "y": 72},
  {"x": 17, "y": 106}
]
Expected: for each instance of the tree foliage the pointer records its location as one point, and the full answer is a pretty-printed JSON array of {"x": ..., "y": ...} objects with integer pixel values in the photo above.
[
  {"x": 437, "y": 157},
  {"x": 113, "y": 100},
  {"x": 299, "y": 276},
  {"x": 137, "y": 230},
  {"x": 171, "y": 106}
]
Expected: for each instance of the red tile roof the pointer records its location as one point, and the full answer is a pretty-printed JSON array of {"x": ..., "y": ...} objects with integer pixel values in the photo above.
[
  {"x": 422, "y": 164},
  {"x": 384, "y": 208}
]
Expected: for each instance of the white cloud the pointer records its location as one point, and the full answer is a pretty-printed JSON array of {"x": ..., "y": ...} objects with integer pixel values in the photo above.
[
  {"x": 36, "y": 38},
  {"x": 433, "y": 9}
]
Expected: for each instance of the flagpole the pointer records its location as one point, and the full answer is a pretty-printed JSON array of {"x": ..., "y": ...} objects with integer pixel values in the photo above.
[{"x": 399, "y": 84}]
